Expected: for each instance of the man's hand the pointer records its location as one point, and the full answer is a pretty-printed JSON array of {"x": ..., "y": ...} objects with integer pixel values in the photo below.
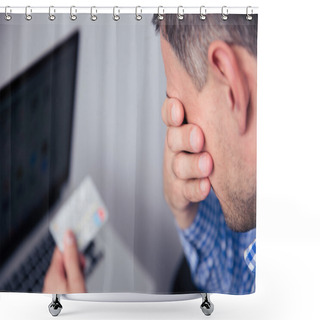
[
  {"x": 186, "y": 168},
  {"x": 65, "y": 274}
]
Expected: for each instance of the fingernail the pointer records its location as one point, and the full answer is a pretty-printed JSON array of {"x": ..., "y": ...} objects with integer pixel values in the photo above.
[
  {"x": 203, "y": 185},
  {"x": 68, "y": 238},
  {"x": 174, "y": 114},
  {"x": 203, "y": 164},
  {"x": 194, "y": 139}
]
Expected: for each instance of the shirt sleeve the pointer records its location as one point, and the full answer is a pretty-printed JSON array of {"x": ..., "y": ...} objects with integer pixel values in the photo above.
[{"x": 215, "y": 253}]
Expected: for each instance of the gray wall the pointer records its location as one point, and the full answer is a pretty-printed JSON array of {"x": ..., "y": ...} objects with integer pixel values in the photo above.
[{"x": 118, "y": 133}]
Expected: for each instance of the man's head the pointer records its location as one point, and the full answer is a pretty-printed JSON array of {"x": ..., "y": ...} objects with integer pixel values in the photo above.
[{"x": 211, "y": 68}]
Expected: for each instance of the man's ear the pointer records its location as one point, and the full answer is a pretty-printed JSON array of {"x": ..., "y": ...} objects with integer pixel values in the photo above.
[{"x": 223, "y": 62}]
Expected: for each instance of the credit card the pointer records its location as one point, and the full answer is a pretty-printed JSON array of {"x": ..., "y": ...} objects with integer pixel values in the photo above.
[{"x": 84, "y": 213}]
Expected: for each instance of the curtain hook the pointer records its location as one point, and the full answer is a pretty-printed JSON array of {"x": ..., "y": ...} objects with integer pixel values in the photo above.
[
  {"x": 138, "y": 16},
  {"x": 52, "y": 17},
  {"x": 93, "y": 16},
  {"x": 6, "y": 14},
  {"x": 73, "y": 15},
  {"x": 28, "y": 12},
  {"x": 224, "y": 13},
  {"x": 160, "y": 15},
  {"x": 116, "y": 17},
  {"x": 249, "y": 15},
  {"x": 180, "y": 13},
  {"x": 203, "y": 13}
]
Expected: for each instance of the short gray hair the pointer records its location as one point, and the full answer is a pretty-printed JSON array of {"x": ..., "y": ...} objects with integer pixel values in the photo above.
[{"x": 190, "y": 38}]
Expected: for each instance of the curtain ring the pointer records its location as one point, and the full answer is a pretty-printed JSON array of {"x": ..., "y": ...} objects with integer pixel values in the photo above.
[
  {"x": 138, "y": 16},
  {"x": 249, "y": 15},
  {"x": 52, "y": 17},
  {"x": 116, "y": 17},
  {"x": 224, "y": 13},
  {"x": 28, "y": 12},
  {"x": 160, "y": 15},
  {"x": 6, "y": 14},
  {"x": 93, "y": 16},
  {"x": 73, "y": 16},
  {"x": 203, "y": 13},
  {"x": 180, "y": 13}
]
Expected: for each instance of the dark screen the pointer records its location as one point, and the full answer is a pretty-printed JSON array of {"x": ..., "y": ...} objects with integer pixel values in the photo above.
[{"x": 36, "y": 115}]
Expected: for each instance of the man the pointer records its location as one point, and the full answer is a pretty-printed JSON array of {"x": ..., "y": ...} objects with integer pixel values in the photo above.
[
  {"x": 211, "y": 143},
  {"x": 211, "y": 114}
]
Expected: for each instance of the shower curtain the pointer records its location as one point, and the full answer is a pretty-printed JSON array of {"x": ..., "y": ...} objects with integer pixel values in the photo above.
[{"x": 128, "y": 151}]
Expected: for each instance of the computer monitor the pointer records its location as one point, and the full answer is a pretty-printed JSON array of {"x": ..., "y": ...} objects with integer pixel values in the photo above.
[{"x": 36, "y": 116}]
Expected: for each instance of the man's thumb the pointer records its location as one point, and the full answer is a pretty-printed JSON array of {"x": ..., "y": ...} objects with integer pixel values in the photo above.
[{"x": 71, "y": 260}]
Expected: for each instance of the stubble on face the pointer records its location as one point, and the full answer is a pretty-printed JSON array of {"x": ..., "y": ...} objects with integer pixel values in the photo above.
[
  {"x": 239, "y": 208},
  {"x": 234, "y": 181}
]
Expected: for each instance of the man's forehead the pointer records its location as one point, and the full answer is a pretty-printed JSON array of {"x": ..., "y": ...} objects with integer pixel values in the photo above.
[{"x": 178, "y": 81}]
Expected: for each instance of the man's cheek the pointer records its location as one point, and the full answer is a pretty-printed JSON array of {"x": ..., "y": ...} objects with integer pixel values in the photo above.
[{"x": 212, "y": 150}]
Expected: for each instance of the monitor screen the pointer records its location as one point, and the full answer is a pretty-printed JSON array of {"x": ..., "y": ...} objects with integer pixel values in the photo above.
[{"x": 36, "y": 115}]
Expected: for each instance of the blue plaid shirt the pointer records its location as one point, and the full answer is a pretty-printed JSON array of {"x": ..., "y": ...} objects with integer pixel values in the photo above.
[{"x": 221, "y": 260}]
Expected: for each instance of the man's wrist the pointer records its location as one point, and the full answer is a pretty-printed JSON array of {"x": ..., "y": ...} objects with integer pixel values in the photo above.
[
  {"x": 203, "y": 231},
  {"x": 185, "y": 218}
]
